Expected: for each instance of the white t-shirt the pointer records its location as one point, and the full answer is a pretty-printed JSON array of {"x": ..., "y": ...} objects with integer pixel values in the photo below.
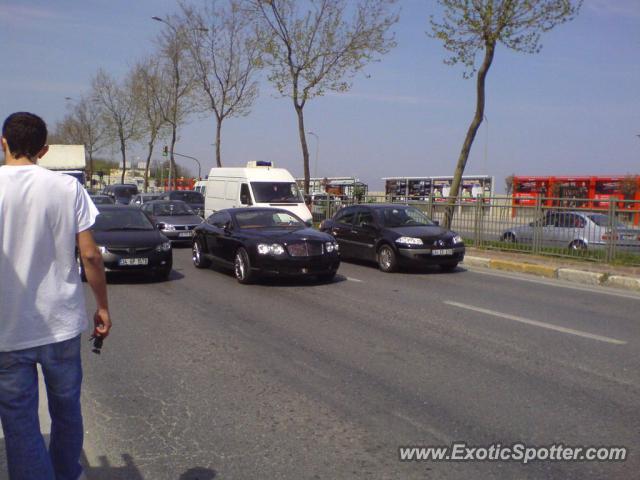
[{"x": 41, "y": 295}]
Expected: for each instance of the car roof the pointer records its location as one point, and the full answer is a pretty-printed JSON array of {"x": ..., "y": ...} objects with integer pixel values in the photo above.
[{"x": 164, "y": 202}]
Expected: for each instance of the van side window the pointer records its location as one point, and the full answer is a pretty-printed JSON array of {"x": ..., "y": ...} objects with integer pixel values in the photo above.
[{"x": 245, "y": 195}]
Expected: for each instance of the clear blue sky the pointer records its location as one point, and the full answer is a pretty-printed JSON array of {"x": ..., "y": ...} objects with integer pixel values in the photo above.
[{"x": 574, "y": 108}]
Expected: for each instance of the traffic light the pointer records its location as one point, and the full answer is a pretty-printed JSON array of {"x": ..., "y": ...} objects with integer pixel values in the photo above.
[{"x": 165, "y": 151}]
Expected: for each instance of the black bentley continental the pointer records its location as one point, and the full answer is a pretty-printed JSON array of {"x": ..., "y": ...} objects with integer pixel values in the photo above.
[{"x": 258, "y": 242}]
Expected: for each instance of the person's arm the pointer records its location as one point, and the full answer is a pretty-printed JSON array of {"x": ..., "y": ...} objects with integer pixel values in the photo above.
[{"x": 94, "y": 271}]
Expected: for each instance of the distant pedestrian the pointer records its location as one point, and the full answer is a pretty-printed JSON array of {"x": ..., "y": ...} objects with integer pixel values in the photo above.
[{"x": 44, "y": 220}]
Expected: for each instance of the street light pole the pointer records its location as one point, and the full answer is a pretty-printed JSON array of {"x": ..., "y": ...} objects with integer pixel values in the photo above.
[
  {"x": 192, "y": 158},
  {"x": 315, "y": 168}
]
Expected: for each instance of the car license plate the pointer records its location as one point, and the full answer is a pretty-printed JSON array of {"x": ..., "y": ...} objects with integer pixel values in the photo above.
[
  {"x": 186, "y": 234},
  {"x": 446, "y": 251},
  {"x": 133, "y": 261}
]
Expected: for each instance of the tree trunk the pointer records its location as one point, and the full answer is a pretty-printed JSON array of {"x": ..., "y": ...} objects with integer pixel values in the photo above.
[
  {"x": 172, "y": 162},
  {"x": 124, "y": 158},
  {"x": 218, "y": 131},
  {"x": 147, "y": 165},
  {"x": 305, "y": 148},
  {"x": 471, "y": 134},
  {"x": 90, "y": 170}
]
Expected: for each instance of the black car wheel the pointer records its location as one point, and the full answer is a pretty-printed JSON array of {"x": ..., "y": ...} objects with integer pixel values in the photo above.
[
  {"x": 578, "y": 246},
  {"x": 509, "y": 238},
  {"x": 83, "y": 277},
  {"x": 327, "y": 277},
  {"x": 163, "y": 273},
  {"x": 197, "y": 256},
  {"x": 448, "y": 267},
  {"x": 387, "y": 260},
  {"x": 242, "y": 267}
]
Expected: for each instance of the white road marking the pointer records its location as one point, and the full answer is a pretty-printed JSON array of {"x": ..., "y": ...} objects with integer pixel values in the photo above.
[
  {"x": 554, "y": 282},
  {"x": 536, "y": 323},
  {"x": 351, "y": 279}
]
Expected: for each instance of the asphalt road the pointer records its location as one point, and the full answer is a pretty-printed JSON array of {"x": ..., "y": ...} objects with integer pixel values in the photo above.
[{"x": 205, "y": 378}]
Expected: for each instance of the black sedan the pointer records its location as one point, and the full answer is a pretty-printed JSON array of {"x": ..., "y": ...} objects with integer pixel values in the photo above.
[
  {"x": 394, "y": 236},
  {"x": 264, "y": 241},
  {"x": 129, "y": 242}
]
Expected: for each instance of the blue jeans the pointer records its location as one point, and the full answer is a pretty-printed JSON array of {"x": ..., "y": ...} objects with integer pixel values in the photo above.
[{"x": 27, "y": 455}]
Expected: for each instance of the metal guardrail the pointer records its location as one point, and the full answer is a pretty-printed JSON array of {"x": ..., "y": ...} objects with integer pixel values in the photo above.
[{"x": 608, "y": 232}]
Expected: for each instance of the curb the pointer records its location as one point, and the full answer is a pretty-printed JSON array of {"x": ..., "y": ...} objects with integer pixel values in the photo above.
[{"x": 567, "y": 274}]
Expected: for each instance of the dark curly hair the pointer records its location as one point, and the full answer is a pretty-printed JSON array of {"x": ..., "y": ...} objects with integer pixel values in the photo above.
[{"x": 25, "y": 134}]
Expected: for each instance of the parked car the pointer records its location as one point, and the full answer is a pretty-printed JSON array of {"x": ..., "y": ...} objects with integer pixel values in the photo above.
[
  {"x": 174, "y": 218},
  {"x": 143, "y": 198},
  {"x": 575, "y": 230},
  {"x": 394, "y": 236},
  {"x": 102, "y": 200},
  {"x": 121, "y": 192},
  {"x": 264, "y": 241},
  {"x": 192, "y": 198},
  {"x": 129, "y": 242}
]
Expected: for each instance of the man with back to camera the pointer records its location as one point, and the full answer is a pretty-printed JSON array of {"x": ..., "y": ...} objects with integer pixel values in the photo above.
[{"x": 44, "y": 217}]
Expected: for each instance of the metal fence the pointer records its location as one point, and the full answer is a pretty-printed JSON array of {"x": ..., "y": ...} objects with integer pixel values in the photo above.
[{"x": 608, "y": 232}]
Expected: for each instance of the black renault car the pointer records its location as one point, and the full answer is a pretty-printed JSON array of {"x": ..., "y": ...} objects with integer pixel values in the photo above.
[
  {"x": 264, "y": 241},
  {"x": 130, "y": 242},
  {"x": 394, "y": 236}
]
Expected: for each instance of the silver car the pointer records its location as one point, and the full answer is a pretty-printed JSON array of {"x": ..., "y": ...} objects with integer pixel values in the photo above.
[
  {"x": 575, "y": 230},
  {"x": 175, "y": 219}
]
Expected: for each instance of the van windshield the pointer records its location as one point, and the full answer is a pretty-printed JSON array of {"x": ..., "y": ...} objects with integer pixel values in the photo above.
[{"x": 276, "y": 192}]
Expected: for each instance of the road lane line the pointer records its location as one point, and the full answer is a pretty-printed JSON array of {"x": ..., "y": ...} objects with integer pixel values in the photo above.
[
  {"x": 603, "y": 290},
  {"x": 351, "y": 279},
  {"x": 536, "y": 323}
]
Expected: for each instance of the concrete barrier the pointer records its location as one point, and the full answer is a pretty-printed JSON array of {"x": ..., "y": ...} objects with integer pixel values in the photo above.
[
  {"x": 619, "y": 281},
  {"x": 534, "y": 269},
  {"x": 580, "y": 276}
]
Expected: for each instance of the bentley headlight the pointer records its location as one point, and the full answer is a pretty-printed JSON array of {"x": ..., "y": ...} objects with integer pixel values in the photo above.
[
  {"x": 273, "y": 249},
  {"x": 331, "y": 247},
  {"x": 409, "y": 241},
  {"x": 457, "y": 239},
  {"x": 168, "y": 228},
  {"x": 164, "y": 247},
  {"x": 102, "y": 249}
]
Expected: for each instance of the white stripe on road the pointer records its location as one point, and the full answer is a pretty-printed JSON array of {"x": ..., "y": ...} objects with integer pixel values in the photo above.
[
  {"x": 351, "y": 279},
  {"x": 536, "y": 323}
]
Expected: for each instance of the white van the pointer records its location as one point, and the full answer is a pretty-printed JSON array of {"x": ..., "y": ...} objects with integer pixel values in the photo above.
[{"x": 257, "y": 185}]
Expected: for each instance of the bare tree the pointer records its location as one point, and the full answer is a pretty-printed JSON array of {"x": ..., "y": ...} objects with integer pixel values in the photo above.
[
  {"x": 83, "y": 125},
  {"x": 119, "y": 111},
  {"x": 317, "y": 47},
  {"x": 148, "y": 93},
  {"x": 469, "y": 27},
  {"x": 224, "y": 57},
  {"x": 175, "y": 93}
]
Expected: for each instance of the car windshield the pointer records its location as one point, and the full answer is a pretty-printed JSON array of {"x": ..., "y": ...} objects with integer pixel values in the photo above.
[
  {"x": 125, "y": 191},
  {"x": 102, "y": 200},
  {"x": 189, "y": 197},
  {"x": 404, "y": 217},
  {"x": 172, "y": 209},
  {"x": 276, "y": 192},
  {"x": 122, "y": 219},
  {"x": 603, "y": 221},
  {"x": 268, "y": 219}
]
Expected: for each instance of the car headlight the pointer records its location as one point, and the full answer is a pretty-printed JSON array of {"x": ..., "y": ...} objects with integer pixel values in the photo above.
[
  {"x": 102, "y": 249},
  {"x": 168, "y": 228},
  {"x": 409, "y": 241},
  {"x": 331, "y": 247},
  {"x": 457, "y": 239},
  {"x": 164, "y": 247},
  {"x": 273, "y": 249}
]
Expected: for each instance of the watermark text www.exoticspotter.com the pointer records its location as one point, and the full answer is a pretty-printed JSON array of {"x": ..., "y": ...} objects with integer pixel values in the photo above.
[{"x": 517, "y": 452}]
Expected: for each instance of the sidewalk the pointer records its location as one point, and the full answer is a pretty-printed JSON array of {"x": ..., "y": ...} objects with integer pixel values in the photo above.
[{"x": 577, "y": 271}]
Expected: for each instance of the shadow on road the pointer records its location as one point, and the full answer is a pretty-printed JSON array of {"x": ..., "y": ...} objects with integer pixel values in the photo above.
[
  {"x": 412, "y": 270},
  {"x": 136, "y": 278}
]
